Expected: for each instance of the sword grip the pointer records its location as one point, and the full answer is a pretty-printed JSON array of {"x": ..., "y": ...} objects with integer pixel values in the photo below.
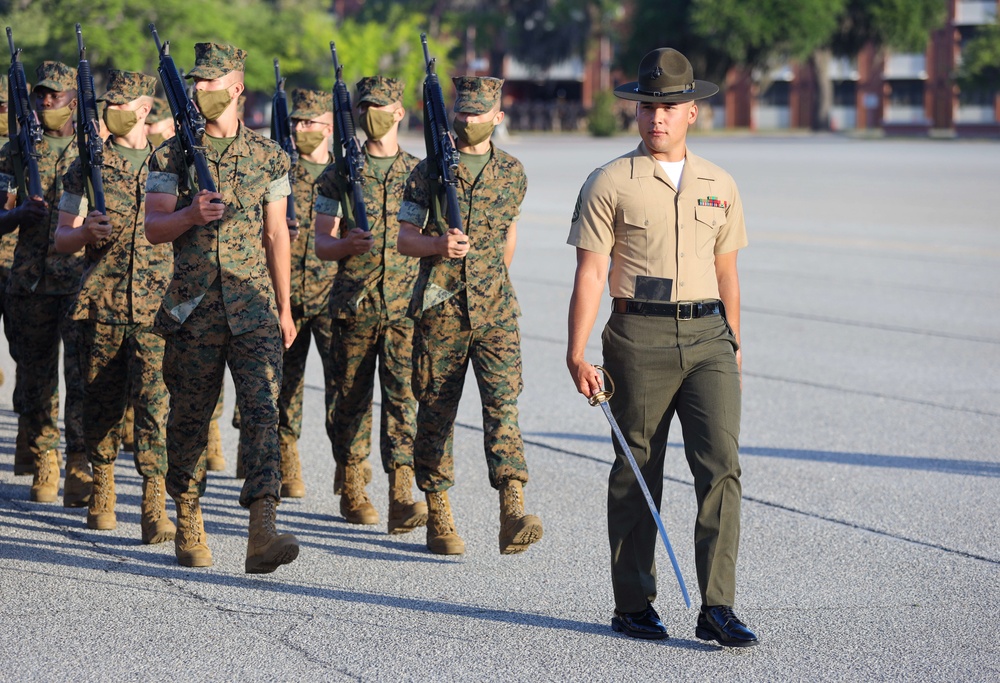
[{"x": 605, "y": 394}]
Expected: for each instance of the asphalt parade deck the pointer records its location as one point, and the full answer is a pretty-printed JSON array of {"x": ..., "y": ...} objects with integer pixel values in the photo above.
[{"x": 871, "y": 542}]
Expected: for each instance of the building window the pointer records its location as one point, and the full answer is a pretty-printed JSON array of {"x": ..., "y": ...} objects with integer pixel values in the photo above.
[
  {"x": 905, "y": 103},
  {"x": 776, "y": 95}
]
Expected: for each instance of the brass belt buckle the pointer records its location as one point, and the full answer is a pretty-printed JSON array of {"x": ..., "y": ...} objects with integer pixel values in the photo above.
[{"x": 680, "y": 307}]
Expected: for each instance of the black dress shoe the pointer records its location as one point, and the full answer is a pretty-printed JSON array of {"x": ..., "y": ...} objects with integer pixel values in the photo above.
[
  {"x": 645, "y": 624},
  {"x": 721, "y": 623}
]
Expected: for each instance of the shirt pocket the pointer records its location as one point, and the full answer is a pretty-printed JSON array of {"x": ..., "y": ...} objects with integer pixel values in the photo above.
[
  {"x": 634, "y": 231},
  {"x": 708, "y": 222},
  {"x": 250, "y": 199}
]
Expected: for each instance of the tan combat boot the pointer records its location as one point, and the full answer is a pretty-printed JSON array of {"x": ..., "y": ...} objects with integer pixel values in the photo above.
[
  {"x": 45, "y": 485},
  {"x": 292, "y": 485},
  {"x": 128, "y": 430},
  {"x": 216, "y": 461},
  {"x": 442, "y": 538},
  {"x": 190, "y": 541},
  {"x": 24, "y": 460},
  {"x": 338, "y": 476},
  {"x": 156, "y": 526},
  {"x": 266, "y": 549},
  {"x": 517, "y": 530},
  {"x": 79, "y": 481},
  {"x": 404, "y": 514},
  {"x": 101, "y": 512},
  {"x": 355, "y": 505}
]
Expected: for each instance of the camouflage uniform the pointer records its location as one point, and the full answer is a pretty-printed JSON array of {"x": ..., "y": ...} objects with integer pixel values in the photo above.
[
  {"x": 40, "y": 292},
  {"x": 371, "y": 294},
  {"x": 7, "y": 241},
  {"x": 466, "y": 311},
  {"x": 220, "y": 306},
  {"x": 311, "y": 280},
  {"x": 124, "y": 280}
]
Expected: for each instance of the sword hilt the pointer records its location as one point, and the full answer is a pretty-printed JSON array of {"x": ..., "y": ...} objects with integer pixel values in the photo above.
[{"x": 604, "y": 394}]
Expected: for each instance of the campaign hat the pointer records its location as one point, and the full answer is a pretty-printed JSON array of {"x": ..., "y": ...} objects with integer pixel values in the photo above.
[{"x": 665, "y": 75}]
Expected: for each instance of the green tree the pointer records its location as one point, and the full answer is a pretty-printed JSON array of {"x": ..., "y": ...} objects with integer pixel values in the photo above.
[
  {"x": 980, "y": 70},
  {"x": 895, "y": 24},
  {"x": 654, "y": 24},
  {"x": 761, "y": 34},
  {"x": 298, "y": 32}
]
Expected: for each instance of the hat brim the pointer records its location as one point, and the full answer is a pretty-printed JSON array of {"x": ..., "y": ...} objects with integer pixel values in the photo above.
[
  {"x": 474, "y": 109},
  {"x": 307, "y": 114},
  {"x": 114, "y": 98},
  {"x": 52, "y": 85},
  {"x": 209, "y": 73},
  {"x": 631, "y": 91},
  {"x": 376, "y": 100}
]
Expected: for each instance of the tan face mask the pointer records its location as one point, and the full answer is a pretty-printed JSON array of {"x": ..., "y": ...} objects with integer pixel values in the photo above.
[
  {"x": 120, "y": 122},
  {"x": 473, "y": 133},
  {"x": 4, "y": 124},
  {"x": 377, "y": 123},
  {"x": 156, "y": 139},
  {"x": 306, "y": 141},
  {"x": 54, "y": 119},
  {"x": 212, "y": 103}
]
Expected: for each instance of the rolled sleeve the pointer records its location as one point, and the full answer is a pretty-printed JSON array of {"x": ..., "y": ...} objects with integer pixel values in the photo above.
[
  {"x": 73, "y": 204},
  {"x": 412, "y": 212},
  {"x": 278, "y": 189},
  {"x": 328, "y": 206},
  {"x": 160, "y": 182}
]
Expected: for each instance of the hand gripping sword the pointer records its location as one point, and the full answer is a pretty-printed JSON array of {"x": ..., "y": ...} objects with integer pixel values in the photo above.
[{"x": 601, "y": 399}]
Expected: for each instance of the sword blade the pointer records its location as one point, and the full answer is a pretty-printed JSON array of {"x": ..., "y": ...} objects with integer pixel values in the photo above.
[{"x": 649, "y": 498}]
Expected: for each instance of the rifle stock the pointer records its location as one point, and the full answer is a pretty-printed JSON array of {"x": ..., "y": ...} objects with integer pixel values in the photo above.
[
  {"x": 440, "y": 144},
  {"x": 88, "y": 130},
  {"x": 347, "y": 148},
  {"x": 25, "y": 129},
  {"x": 281, "y": 132}
]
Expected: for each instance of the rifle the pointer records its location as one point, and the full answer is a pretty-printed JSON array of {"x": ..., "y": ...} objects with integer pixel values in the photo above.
[
  {"x": 26, "y": 131},
  {"x": 441, "y": 151},
  {"x": 188, "y": 121},
  {"x": 281, "y": 132},
  {"x": 348, "y": 149},
  {"x": 88, "y": 130}
]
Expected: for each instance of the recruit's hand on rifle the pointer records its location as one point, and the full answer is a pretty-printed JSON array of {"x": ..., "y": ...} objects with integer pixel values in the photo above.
[
  {"x": 96, "y": 227},
  {"x": 454, "y": 243},
  {"x": 359, "y": 241},
  {"x": 204, "y": 208},
  {"x": 33, "y": 212}
]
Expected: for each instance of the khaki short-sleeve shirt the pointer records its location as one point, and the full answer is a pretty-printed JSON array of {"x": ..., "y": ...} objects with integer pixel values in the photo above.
[{"x": 630, "y": 210}]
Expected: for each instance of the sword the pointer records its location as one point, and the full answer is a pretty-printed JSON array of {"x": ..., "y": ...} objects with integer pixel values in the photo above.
[{"x": 601, "y": 399}]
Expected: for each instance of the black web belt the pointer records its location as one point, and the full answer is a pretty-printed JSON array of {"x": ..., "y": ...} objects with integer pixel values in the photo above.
[{"x": 681, "y": 310}]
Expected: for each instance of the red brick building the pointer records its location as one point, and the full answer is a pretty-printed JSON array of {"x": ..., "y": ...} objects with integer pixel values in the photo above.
[{"x": 900, "y": 93}]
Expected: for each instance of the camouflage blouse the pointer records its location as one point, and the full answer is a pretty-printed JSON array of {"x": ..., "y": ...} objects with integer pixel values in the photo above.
[
  {"x": 380, "y": 282},
  {"x": 37, "y": 267},
  {"x": 249, "y": 174},
  {"x": 8, "y": 241},
  {"x": 124, "y": 275},
  {"x": 312, "y": 278},
  {"x": 489, "y": 204}
]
